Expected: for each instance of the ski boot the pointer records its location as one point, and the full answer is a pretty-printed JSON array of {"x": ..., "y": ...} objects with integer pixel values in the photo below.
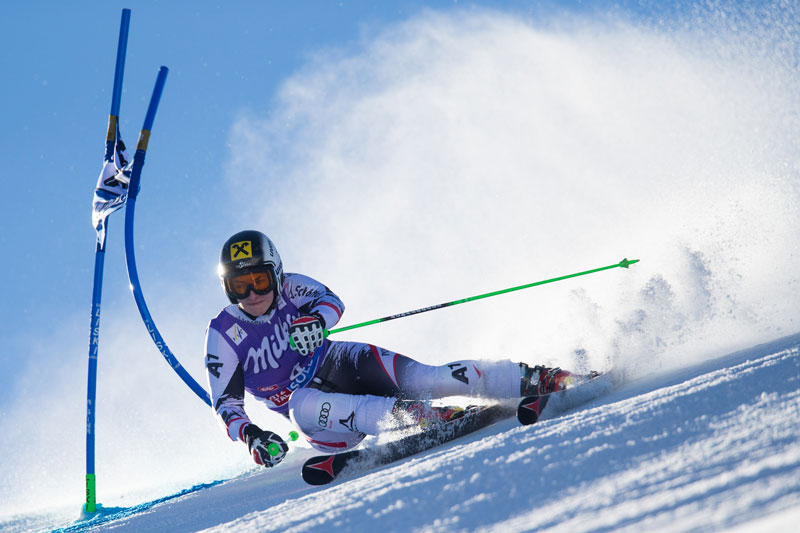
[{"x": 542, "y": 380}]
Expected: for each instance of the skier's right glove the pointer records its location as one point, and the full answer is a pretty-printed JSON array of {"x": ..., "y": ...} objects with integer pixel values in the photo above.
[
  {"x": 263, "y": 444},
  {"x": 307, "y": 333}
]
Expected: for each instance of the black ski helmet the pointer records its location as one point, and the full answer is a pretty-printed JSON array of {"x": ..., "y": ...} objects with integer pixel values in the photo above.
[{"x": 246, "y": 251}]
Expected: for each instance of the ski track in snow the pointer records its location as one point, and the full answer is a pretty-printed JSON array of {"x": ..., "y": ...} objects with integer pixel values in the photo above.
[{"x": 701, "y": 449}]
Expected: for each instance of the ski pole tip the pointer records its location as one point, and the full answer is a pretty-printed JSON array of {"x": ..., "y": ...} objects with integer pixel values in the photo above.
[{"x": 625, "y": 263}]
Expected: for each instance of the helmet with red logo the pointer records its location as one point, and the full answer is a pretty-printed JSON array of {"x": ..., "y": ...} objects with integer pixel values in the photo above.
[{"x": 249, "y": 261}]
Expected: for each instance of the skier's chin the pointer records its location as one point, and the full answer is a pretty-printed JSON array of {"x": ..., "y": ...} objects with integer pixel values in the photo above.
[{"x": 255, "y": 304}]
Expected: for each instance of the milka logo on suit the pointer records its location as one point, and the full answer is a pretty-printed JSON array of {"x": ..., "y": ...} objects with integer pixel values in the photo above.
[{"x": 272, "y": 347}]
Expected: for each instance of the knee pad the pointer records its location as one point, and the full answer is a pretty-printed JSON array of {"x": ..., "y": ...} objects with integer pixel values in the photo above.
[{"x": 314, "y": 411}]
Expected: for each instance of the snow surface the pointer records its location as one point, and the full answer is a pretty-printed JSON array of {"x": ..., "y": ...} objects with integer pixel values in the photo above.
[{"x": 706, "y": 448}]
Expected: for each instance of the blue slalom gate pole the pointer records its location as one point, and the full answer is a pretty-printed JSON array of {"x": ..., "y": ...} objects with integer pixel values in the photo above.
[
  {"x": 99, "y": 262},
  {"x": 91, "y": 393},
  {"x": 130, "y": 258},
  {"x": 116, "y": 95}
]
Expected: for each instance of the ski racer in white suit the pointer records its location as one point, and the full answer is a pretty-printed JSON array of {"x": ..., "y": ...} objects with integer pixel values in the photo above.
[{"x": 334, "y": 392}]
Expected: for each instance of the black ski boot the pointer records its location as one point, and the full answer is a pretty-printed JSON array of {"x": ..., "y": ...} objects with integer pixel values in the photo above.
[{"x": 541, "y": 380}]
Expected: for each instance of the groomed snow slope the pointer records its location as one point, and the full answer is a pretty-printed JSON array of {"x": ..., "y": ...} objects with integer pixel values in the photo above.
[{"x": 706, "y": 448}]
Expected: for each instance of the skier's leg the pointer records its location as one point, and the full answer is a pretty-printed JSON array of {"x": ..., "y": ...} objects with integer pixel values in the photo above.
[
  {"x": 334, "y": 421},
  {"x": 358, "y": 384},
  {"x": 357, "y": 368},
  {"x": 489, "y": 379}
]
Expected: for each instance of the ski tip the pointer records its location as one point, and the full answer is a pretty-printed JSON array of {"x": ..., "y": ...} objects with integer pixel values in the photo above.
[
  {"x": 625, "y": 263},
  {"x": 319, "y": 470},
  {"x": 530, "y": 408}
]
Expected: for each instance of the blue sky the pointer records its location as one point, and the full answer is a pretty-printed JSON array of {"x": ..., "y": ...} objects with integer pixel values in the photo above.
[
  {"x": 406, "y": 154},
  {"x": 223, "y": 62}
]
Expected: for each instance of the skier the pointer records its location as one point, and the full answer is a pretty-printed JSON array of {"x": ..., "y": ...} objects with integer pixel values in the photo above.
[{"x": 270, "y": 342}]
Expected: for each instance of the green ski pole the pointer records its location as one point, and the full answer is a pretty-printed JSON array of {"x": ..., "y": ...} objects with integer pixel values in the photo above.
[{"x": 625, "y": 263}]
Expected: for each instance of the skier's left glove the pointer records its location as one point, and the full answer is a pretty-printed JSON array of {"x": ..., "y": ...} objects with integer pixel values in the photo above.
[
  {"x": 307, "y": 333},
  {"x": 261, "y": 443}
]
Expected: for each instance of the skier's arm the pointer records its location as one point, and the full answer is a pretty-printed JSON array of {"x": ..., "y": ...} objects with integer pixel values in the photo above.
[
  {"x": 315, "y": 299},
  {"x": 226, "y": 382}
]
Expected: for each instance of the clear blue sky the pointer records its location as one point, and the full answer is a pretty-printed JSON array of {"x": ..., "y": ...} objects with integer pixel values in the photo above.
[{"x": 225, "y": 59}]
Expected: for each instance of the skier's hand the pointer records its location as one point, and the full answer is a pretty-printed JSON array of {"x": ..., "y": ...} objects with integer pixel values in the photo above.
[
  {"x": 263, "y": 444},
  {"x": 307, "y": 333}
]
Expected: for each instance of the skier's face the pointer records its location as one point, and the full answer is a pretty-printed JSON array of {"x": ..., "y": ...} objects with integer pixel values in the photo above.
[{"x": 257, "y": 304}]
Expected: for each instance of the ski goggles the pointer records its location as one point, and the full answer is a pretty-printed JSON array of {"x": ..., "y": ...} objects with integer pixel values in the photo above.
[{"x": 259, "y": 280}]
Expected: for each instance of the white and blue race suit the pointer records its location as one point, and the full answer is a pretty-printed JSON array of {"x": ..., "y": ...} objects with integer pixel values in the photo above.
[{"x": 342, "y": 391}]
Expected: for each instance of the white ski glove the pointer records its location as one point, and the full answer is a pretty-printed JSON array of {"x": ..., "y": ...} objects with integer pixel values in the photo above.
[
  {"x": 307, "y": 333},
  {"x": 267, "y": 448}
]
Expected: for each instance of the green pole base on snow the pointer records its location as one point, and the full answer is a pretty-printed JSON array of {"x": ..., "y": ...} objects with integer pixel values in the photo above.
[{"x": 91, "y": 505}]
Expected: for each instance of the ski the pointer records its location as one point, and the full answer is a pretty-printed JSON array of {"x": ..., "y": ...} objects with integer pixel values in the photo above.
[{"x": 322, "y": 469}]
